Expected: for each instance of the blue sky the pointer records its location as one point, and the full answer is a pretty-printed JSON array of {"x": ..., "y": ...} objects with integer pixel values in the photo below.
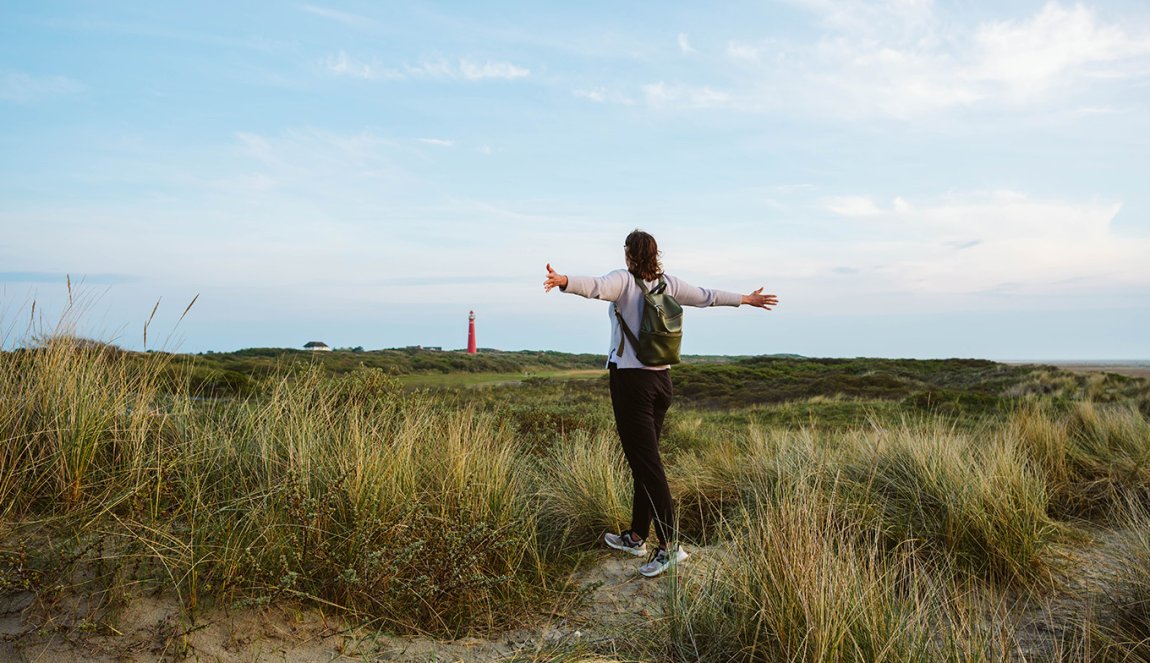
[{"x": 912, "y": 178}]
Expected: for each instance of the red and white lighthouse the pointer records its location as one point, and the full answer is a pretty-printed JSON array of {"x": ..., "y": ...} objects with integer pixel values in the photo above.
[{"x": 471, "y": 333}]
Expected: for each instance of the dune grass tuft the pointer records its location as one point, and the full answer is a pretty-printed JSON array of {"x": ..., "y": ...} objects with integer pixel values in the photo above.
[
  {"x": 798, "y": 582},
  {"x": 584, "y": 489},
  {"x": 1092, "y": 458}
]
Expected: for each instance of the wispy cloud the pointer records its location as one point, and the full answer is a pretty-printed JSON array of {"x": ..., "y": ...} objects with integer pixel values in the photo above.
[
  {"x": 25, "y": 88},
  {"x": 470, "y": 69},
  {"x": 438, "y": 142},
  {"x": 602, "y": 95},
  {"x": 742, "y": 51},
  {"x": 866, "y": 18},
  {"x": 347, "y": 18},
  {"x": 972, "y": 241},
  {"x": 474, "y": 70},
  {"x": 1027, "y": 58},
  {"x": 597, "y": 94},
  {"x": 679, "y": 95},
  {"x": 342, "y": 64},
  {"x": 853, "y": 206},
  {"x": 685, "y": 44},
  {"x": 467, "y": 69},
  {"x": 309, "y": 161},
  {"x": 431, "y": 68},
  {"x": 903, "y": 58}
]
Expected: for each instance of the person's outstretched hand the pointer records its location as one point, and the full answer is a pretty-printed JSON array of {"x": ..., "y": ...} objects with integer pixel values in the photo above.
[
  {"x": 554, "y": 278},
  {"x": 759, "y": 300}
]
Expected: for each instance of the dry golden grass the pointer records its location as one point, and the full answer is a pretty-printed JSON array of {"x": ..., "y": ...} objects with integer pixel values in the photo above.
[{"x": 424, "y": 515}]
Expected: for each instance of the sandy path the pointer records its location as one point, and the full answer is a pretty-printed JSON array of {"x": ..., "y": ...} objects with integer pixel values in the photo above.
[
  {"x": 618, "y": 600},
  {"x": 618, "y": 604}
]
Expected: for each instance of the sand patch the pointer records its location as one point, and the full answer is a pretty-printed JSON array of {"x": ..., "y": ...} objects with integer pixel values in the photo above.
[{"x": 616, "y": 602}]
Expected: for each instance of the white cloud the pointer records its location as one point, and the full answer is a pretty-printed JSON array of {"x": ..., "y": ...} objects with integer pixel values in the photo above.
[
  {"x": 438, "y": 68},
  {"x": 685, "y": 44},
  {"x": 904, "y": 59},
  {"x": 342, "y": 64},
  {"x": 740, "y": 51},
  {"x": 255, "y": 146},
  {"x": 1027, "y": 58},
  {"x": 853, "y": 206},
  {"x": 974, "y": 251},
  {"x": 347, "y": 18},
  {"x": 865, "y": 17},
  {"x": 976, "y": 242},
  {"x": 473, "y": 71},
  {"x": 684, "y": 96},
  {"x": 468, "y": 69},
  {"x": 602, "y": 95},
  {"x": 598, "y": 95},
  {"x": 22, "y": 88},
  {"x": 438, "y": 142}
]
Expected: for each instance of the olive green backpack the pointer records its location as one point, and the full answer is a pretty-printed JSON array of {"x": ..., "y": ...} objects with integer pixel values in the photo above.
[{"x": 661, "y": 328}]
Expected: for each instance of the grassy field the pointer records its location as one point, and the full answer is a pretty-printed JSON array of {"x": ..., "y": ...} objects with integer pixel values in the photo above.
[
  {"x": 448, "y": 380},
  {"x": 852, "y": 510}
]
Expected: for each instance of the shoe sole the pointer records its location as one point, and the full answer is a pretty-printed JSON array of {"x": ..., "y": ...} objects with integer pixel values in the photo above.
[
  {"x": 637, "y": 552},
  {"x": 680, "y": 557}
]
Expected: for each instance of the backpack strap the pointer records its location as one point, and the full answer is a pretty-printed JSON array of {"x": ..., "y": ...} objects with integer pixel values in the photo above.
[{"x": 627, "y": 334}]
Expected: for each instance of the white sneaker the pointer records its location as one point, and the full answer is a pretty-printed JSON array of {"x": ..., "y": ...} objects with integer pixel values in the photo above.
[
  {"x": 662, "y": 561},
  {"x": 627, "y": 542}
]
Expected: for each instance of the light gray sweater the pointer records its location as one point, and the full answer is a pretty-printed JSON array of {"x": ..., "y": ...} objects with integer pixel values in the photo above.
[{"x": 619, "y": 287}]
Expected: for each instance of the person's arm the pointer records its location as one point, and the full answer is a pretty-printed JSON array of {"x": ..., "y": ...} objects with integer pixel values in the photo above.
[
  {"x": 689, "y": 295},
  {"x": 607, "y": 287}
]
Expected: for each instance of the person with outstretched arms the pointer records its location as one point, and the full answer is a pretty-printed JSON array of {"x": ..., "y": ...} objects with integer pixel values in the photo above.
[{"x": 641, "y": 393}]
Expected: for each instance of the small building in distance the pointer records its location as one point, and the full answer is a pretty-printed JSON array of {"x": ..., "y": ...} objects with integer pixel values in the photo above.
[{"x": 316, "y": 346}]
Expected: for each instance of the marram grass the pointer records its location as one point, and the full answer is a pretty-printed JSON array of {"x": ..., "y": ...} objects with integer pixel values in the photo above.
[
  {"x": 426, "y": 514},
  {"x": 968, "y": 499},
  {"x": 354, "y": 496},
  {"x": 1092, "y": 459},
  {"x": 796, "y": 582},
  {"x": 584, "y": 488}
]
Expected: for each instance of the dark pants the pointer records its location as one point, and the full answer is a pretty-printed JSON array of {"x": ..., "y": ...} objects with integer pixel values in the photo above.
[{"x": 640, "y": 399}]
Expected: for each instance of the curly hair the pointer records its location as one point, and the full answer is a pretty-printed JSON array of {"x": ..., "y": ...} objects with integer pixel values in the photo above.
[{"x": 643, "y": 256}]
